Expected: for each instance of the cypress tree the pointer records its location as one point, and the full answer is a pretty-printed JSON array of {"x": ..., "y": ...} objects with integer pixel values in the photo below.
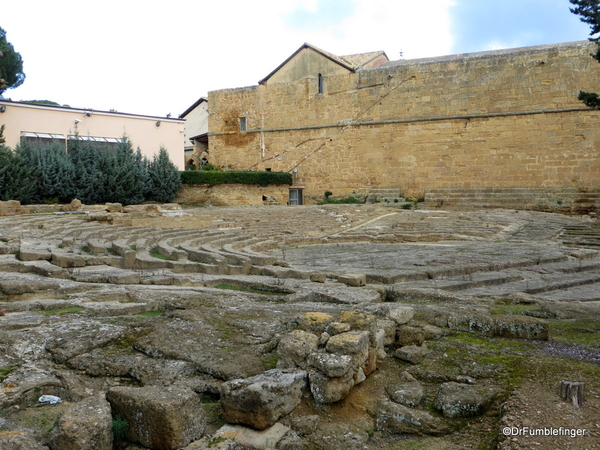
[
  {"x": 165, "y": 178},
  {"x": 6, "y": 161},
  {"x": 129, "y": 183},
  {"x": 20, "y": 176},
  {"x": 86, "y": 179},
  {"x": 55, "y": 172}
]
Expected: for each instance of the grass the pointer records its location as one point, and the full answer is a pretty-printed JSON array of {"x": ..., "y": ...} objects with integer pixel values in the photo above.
[
  {"x": 40, "y": 418},
  {"x": 61, "y": 311},
  {"x": 581, "y": 331},
  {"x": 6, "y": 371},
  {"x": 271, "y": 361},
  {"x": 86, "y": 249},
  {"x": 157, "y": 254},
  {"x": 245, "y": 289},
  {"x": 513, "y": 309}
]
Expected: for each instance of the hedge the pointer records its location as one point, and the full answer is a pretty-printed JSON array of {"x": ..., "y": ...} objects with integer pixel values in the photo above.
[{"x": 216, "y": 177}]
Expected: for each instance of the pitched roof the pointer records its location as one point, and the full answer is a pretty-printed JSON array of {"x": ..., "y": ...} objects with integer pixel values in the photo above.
[
  {"x": 350, "y": 62},
  {"x": 361, "y": 59},
  {"x": 191, "y": 108}
]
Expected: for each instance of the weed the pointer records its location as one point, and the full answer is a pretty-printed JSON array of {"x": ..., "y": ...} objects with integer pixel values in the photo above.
[
  {"x": 157, "y": 254},
  {"x": 120, "y": 427},
  {"x": 133, "y": 247},
  {"x": 86, "y": 249}
]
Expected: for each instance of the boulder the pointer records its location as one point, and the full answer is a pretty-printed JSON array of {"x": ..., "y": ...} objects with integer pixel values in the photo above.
[
  {"x": 318, "y": 277},
  {"x": 87, "y": 425},
  {"x": 114, "y": 207},
  {"x": 314, "y": 322},
  {"x": 330, "y": 364},
  {"x": 353, "y": 279},
  {"x": 401, "y": 314},
  {"x": 330, "y": 390},
  {"x": 161, "y": 418},
  {"x": 407, "y": 394},
  {"x": 350, "y": 343},
  {"x": 409, "y": 335},
  {"x": 389, "y": 326},
  {"x": 399, "y": 419},
  {"x": 294, "y": 348},
  {"x": 413, "y": 354},
  {"x": 261, "y": 400},
  {"x": 265, "y": 439},
  {"x": 462, "y": 400},
  {"x": 337, "y": 328}
]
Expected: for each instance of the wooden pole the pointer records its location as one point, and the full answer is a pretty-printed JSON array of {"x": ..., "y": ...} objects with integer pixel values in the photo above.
[{"x": 572, "y": 391}]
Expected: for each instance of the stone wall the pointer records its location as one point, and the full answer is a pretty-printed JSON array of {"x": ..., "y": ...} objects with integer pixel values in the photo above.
[
  {"x": 502, "y": 119},
  {"x": 232, "y": 195}
]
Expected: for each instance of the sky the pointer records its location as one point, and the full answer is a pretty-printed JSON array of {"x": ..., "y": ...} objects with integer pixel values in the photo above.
[{"x": 158, "y": 58}]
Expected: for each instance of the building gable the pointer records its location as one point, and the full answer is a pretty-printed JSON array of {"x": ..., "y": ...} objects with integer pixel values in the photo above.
[{"x": 308, "y": 61}]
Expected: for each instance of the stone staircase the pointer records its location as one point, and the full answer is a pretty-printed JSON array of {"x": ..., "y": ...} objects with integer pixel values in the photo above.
[{"x": 564, "y": 200}]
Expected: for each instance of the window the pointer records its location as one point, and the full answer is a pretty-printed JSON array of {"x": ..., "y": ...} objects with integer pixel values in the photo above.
[
  {"x": 242, "y": 124},
  {"x": 42, "y": 138},
  {"x": 295, "y": 197},
  {"x": 99, "y": 142},
  {"x": 320, "y": 84}
]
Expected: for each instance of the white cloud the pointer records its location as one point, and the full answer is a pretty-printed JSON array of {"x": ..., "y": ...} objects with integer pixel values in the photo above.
[{"x": 148, "y": 58}]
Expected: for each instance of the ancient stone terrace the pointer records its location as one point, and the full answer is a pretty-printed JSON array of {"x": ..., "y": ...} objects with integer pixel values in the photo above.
[
  {"x": 407, "y": 248},
  {"x": 332, "y": 326}
]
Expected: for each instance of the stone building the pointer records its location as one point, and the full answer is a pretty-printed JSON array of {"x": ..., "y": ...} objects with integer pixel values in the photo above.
[{"x": 492, "y": 122}]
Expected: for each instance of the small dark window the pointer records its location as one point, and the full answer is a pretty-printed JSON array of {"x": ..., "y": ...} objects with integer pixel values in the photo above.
[
  {"x": 268, "y": 169},
  {"x": 320, "y": 84},
  {"x": 242, "y": 124}
]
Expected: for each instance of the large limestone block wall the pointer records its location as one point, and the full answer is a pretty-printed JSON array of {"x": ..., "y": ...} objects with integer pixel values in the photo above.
[
  {"x": 493, "y": 119},
  {"x": 232, "y": 195}
]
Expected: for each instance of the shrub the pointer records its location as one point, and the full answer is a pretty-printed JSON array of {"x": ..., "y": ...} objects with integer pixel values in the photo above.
[
  {"x": 331, "y": 201},
  {"x": 215, "y": 177}
]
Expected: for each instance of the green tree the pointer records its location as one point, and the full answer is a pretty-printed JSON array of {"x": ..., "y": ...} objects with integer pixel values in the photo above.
[
  {"x": 164, "y": 178},
  {"x": 86, "y": 179},
  {"x": 11, "y": 65},
  {"x": 589, "y": 12},
  {"x": 127, "y": 180},
  {"x": 6, "y": 161},
  {"x": 20, "y": 176},
  {"x": 55, "y": 172}
]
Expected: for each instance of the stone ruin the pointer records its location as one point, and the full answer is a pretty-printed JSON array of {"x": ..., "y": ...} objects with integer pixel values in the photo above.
[{"x": 307, "y": 338}]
